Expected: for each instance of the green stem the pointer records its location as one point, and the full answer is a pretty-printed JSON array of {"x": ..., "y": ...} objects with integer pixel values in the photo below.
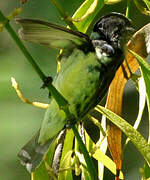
[
  {"x": 65, "y": 16},
  {"x": 58, "y": 97},
  {"x": 128, "y": 9},
  {"x": 88, "y": 160}
]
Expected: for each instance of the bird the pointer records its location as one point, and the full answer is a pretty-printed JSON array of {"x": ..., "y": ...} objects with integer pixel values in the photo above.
[{"x": 87, "y": 67}]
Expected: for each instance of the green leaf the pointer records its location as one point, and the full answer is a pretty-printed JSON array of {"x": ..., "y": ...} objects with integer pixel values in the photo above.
[
  {"x": 142, "y": 101},
  {"x": 67, "y": 146},
  {"x": 142, "y": 8},
  {"x": 113, "y": 1},
  {"x": 102, "y": 142},
  {"x": 40, "y": 173},
  {"x": 101, "y": 157},
  {"x": 88, "y": 142},
  {"x": 80, "y": 163},
  {"x": 145, "y": 70},
  {"x": 103, "y": 147},
  {"x": 85, "y": 173},
  {"x": 137, "y": 139},
  {"x": 147, "y": 2},
  {"x": 83, "y": 166},
  {"x": 147, "y": 171},
  {"x": 89, "y": 9},
  {"x": 66, "y": 157}
]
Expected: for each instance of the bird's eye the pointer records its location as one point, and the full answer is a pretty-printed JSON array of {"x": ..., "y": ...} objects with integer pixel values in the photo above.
[{"x": 97, "y": 27}]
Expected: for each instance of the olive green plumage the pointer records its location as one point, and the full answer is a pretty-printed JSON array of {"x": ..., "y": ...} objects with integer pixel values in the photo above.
[{"x": 77, "y": 81}]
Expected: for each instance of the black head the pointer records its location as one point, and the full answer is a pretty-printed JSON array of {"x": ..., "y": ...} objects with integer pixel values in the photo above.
[{"x": 113, "y": 28}]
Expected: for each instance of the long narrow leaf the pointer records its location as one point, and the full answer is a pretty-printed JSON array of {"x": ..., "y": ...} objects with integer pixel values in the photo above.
[
  {"x": 137, "y": 139},
  {"x": 142, "y": 101},
  {"x": 101, "y": 157},
  {"x": 147, "y": 2},
  {"x": 66, "y": 157},
  {"x": 65, "y": 168},
  {"x": 145, "y": 69}
]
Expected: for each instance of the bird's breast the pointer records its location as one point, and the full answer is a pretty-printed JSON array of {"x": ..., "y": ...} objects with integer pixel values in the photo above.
[{"x": 79, "y": 79}]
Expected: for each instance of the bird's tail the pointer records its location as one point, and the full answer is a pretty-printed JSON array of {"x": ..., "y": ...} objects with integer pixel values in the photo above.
[{"x": 32, "y": 153}]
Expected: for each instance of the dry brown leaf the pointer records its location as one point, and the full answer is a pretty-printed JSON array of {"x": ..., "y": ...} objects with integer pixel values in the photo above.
[{"x": 139, "y": 44}]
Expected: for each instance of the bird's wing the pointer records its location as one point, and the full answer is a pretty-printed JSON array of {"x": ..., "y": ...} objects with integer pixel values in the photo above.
[{"x": 49, "y": 34}]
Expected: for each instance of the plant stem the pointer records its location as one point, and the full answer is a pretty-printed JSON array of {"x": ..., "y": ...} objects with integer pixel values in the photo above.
[
  {"x": 128, "y": 9},
  {"x": 2, "y": 17},
  {"x": 58, "y": 97},
  {"x": 88, "y": 160},
  {"x": 65, "y": 16}
]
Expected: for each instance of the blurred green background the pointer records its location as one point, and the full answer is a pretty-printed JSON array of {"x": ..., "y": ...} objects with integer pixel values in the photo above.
[{"x": 19, "y": 121}]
